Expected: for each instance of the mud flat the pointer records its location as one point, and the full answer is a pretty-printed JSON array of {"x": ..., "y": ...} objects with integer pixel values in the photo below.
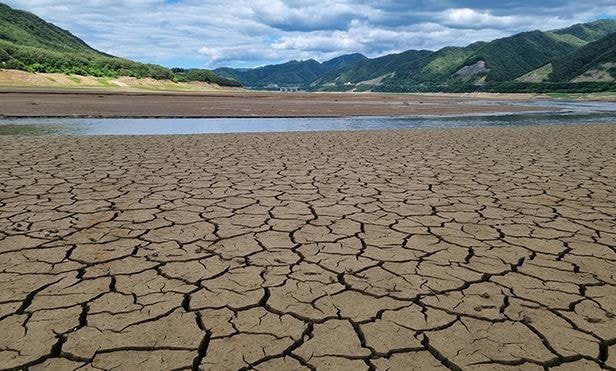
[
  {"x": 103, "y": 103},
  {"x": 427, "y": 249}
]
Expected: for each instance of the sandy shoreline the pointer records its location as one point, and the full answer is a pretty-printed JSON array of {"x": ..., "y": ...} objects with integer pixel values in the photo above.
[
  {"x": 465, "y": 248},
  {"x": 67, "y": 103}
]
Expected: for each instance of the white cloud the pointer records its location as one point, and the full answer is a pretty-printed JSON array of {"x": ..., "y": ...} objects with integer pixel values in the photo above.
[
  {"x": 247, "y": 33},
  {"x": 301, "y": 15},
  {"x": 465, "y": 17}
]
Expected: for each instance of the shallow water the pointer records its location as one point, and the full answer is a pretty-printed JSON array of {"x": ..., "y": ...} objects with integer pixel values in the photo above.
[{"x": 571, "y": 113}]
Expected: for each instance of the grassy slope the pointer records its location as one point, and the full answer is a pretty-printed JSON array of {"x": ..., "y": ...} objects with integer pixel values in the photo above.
[
  {"x": 590, "y": 56},
  {"x": 540, "y": 74}
]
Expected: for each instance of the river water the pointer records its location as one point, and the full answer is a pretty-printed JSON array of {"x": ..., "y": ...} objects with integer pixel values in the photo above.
[{"x": 570, "y": 112}]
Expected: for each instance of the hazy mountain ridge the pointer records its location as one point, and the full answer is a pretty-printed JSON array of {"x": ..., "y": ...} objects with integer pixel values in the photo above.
[{"x": 290, "y": 74}]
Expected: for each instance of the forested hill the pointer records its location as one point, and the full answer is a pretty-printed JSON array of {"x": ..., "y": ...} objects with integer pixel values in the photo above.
[
  {"x": 580, "y": 57},
  {"x": 557, "y": 56},
  {"x": 26, "y": 29},
  {"x": 29, "y": 43},
  {"x": 577, "y": 58},
  {"x": 594, "y": 61},
  {"x": 290, "y": 74}
]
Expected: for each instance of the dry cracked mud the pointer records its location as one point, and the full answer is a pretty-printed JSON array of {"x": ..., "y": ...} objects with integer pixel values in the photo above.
[{"x": 431, "y": 249}]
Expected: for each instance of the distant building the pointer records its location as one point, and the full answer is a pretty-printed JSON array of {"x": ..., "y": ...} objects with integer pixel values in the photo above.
[{"x": 276, "y": 87}]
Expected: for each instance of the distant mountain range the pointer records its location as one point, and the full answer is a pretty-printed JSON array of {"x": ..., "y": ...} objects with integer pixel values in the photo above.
[
  {"x": 580, "y": 57},
  {"x": 29, "y": 43},
  {"x": 293, "y": 73}
]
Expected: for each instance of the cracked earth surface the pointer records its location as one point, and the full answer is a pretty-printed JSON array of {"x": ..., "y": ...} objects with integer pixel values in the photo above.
[{"x": 430, "y": 249}]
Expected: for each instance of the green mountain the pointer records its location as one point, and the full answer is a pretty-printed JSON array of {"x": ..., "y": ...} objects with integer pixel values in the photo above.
[
  {"x": 588, "y": 32},
  {"x": 508, "y": 58},
  {"x": 581, "y": 57},
  {"x": 29, "y": 43},
  {"x": 593, "y": 61},
  {"x": 524, "y": 58},
  {"x": 293, "y": 73},
  {"x": 26, "y": 29},
  {"x": 343, "y": 61},
  {"x": 476, "y": 66},
  {"x": 370, "y": 70},
  {"x": 426, "y": 73}
]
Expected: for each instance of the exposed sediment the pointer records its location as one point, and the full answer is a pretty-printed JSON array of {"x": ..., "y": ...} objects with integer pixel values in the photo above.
[
  {"x": 87, "y": 103},
  {"x": 426, "y": 249}
]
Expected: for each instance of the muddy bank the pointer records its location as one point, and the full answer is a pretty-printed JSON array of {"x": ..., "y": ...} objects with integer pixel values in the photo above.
[
  {"x": 59, "y": 103},
  {"x": 354, "y": 250}
]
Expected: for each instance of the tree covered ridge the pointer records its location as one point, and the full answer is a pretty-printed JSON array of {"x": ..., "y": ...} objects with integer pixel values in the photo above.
[
  {"x": 497, "y": 64},
  {"x": 587, "y": 57},
  {"x": 490, "y": 66},
  {"x": 30, "y": 44}
]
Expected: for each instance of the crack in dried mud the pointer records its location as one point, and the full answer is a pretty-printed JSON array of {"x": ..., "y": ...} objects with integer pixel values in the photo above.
[{"x": 432, "y": 249}]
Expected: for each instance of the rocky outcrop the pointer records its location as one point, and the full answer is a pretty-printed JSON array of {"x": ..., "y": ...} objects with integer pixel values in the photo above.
[{"x": 473, "y": 69}]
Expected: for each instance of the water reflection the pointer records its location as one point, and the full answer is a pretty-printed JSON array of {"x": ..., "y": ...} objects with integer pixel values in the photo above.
[{"x": 573, "y": 113}]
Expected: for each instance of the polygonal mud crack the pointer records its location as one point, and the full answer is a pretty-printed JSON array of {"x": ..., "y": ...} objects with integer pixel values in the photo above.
[{"x": 462, "y": 249}]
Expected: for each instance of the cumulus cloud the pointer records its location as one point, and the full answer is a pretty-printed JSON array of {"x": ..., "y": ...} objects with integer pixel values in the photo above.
[
  {"x": 247, "y": 33},
  {"x": 307, "y": 15},
  {"x": 466, "y": 17}
]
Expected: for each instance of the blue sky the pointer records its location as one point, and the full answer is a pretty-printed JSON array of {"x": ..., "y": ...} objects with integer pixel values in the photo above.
[{"x": 248, "y": 33}]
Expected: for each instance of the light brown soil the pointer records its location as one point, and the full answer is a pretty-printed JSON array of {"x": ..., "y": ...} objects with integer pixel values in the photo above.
[
  {"x": 22, "y": 79},
  {"x": 238, "y": 104},
  {"x": 428, "y": 249}
]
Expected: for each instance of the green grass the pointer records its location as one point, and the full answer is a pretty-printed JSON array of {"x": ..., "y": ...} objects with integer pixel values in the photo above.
[
  {"x": 105, "y": 81},
  {"x": 601, "y": 95},
  {"x": 570, "y": 39},
  {"x": 74, "y": 79},
  {"x": 539, "y": 75}
]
